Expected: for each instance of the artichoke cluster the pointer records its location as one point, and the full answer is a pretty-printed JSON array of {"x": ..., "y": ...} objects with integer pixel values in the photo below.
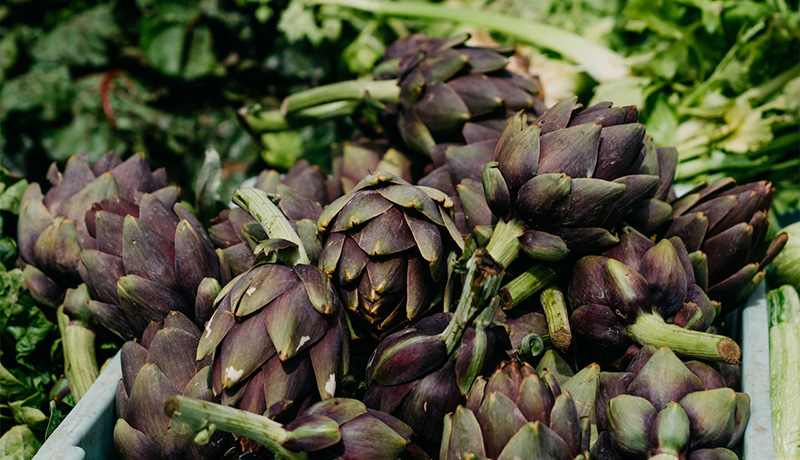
[{"x": 358, "y": 315}]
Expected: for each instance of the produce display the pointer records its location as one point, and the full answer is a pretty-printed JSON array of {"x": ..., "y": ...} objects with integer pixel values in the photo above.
[{"x": 475, "y": 266}]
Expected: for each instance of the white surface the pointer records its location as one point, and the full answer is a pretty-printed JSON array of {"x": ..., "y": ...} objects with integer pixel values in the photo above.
[
  {"x": 88, "y": 431},
  {"x": 755, "y": 377}
]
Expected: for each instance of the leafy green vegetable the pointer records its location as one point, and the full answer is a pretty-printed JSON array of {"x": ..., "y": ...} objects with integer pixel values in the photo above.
[
  {"x": 18, "y": 443},
  {"x": 30, "y": 361}
]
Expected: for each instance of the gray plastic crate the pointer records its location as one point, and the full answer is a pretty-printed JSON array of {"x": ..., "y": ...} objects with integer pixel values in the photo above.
[{"x": 87, "y": 432}]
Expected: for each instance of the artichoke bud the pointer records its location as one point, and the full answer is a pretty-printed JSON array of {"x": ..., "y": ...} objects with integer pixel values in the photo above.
[
  {"x": 57, "y": 250},
  {"x": 712, "y": 416},
  {"x": 582, "y": 387},
  {"x": 544, "y": 200},
  {"x": 630, "y": 419},
  {"x": 610, "y": 385},
  {"x": 552, "y": 361},
  {"x": 671, "y": 430},
  {"x": 207, "y": 292}
]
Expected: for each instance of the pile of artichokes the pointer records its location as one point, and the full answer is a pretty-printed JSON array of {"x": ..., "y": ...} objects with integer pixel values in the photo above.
[{"x": 488, "y": 279}]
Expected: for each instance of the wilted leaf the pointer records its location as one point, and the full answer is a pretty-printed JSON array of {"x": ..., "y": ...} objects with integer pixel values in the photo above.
[{"x": 81, "y": 40}]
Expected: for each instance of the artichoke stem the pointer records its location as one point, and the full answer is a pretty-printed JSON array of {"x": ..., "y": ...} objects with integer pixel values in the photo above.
[
  {"x": 80, "y": 363},
  {"x": 529, "y": 283},
  {"x": 504, "y": 244},
  {"x": 382, "y": 90},
  {"x": 481, "y": 284},
  {"x": 649, "y": 329},
  {"x": 257, "y": 203},
  {"x": 201, "y": 415},
  {"x": 555, "y": 311},
  {"x": 264, "y": 121}
]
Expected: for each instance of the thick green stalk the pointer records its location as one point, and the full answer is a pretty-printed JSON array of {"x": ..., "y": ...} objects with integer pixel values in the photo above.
[
  {"x": 555, "y": 311},
  {"x": 649, "y": 329},
  {"x": 262, "y": 121},
  {"x": 257, "y": 204},
  {"x": 382, "y": 90},
  {"x": 202, "y": 415},
  {"x": 78, "y": 342},
  {"x": 481, "y": 284},
  {"x": 598, "y": 61},
  {"x": 529, "y": 283},
  {"x": 504, "y": 244}
]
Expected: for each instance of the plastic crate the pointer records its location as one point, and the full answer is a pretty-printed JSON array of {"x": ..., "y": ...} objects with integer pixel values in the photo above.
[{"x": 88, "y": 431}]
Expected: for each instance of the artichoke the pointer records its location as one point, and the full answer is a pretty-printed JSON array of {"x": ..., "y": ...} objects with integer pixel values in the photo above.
[
  {"x": 558, "y": 184},
  {"x": 729, "y": 224},
  {"x": 148, "y": 256},
  {"x": 445, "y": 84},
  {"x": 386, "y": 246},
  {"x": 51, "y": 227},
  {"x": 518, "y": 414},
  {"x": 422, "y": 372},
  {"x": 457, "y": 172},
  {"x": 335, "y": 428},
  {"x": 278, "y": 334},
  {"x": 643, "y": 292},
  {"x": 361, "y": 157},
  {"x": 300, "y": 195},
  {"x": 161, "y": 365},
  {"x": 665, "y": 411}
]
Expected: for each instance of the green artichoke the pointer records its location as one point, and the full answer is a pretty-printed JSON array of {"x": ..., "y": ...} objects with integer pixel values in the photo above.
[
  {"x": 663, "y": 410},
  {"x": 729, "y": 225},
  {"x": 335, "y": 428},
  {"x": 146, "y": 257},
  {"x": 518, "y": 414},
  {"x": 558, "y": 184},
  {"x": 278, "y": 334},
  {"x": 643, "y": 292},
  {"x": 51, "y": 229},
  {"x": 159, "y": 366},
  {"x": 386, "y": 246},
  {"x": 445, "y": 84}
]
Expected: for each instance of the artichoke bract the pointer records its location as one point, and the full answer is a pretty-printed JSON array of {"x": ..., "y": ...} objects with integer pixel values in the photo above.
[
  {"x": 560, "y": 183},
  {"x": 278, "y": 334},
  {"x": 51, "y": 226},
  {"x": 444, "y": 84},
  {"x": 149, "y": 255},
  {"x": 729, "y": 225},
  {"x": 161, "y": 365},
  {"x": 643, "y": 292},
  {"x": 335, "y": 428},
  {"x": 663, "y": 410},
  {"x": 518, "y": 414},
  {"x": 386, "y": 246}
]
